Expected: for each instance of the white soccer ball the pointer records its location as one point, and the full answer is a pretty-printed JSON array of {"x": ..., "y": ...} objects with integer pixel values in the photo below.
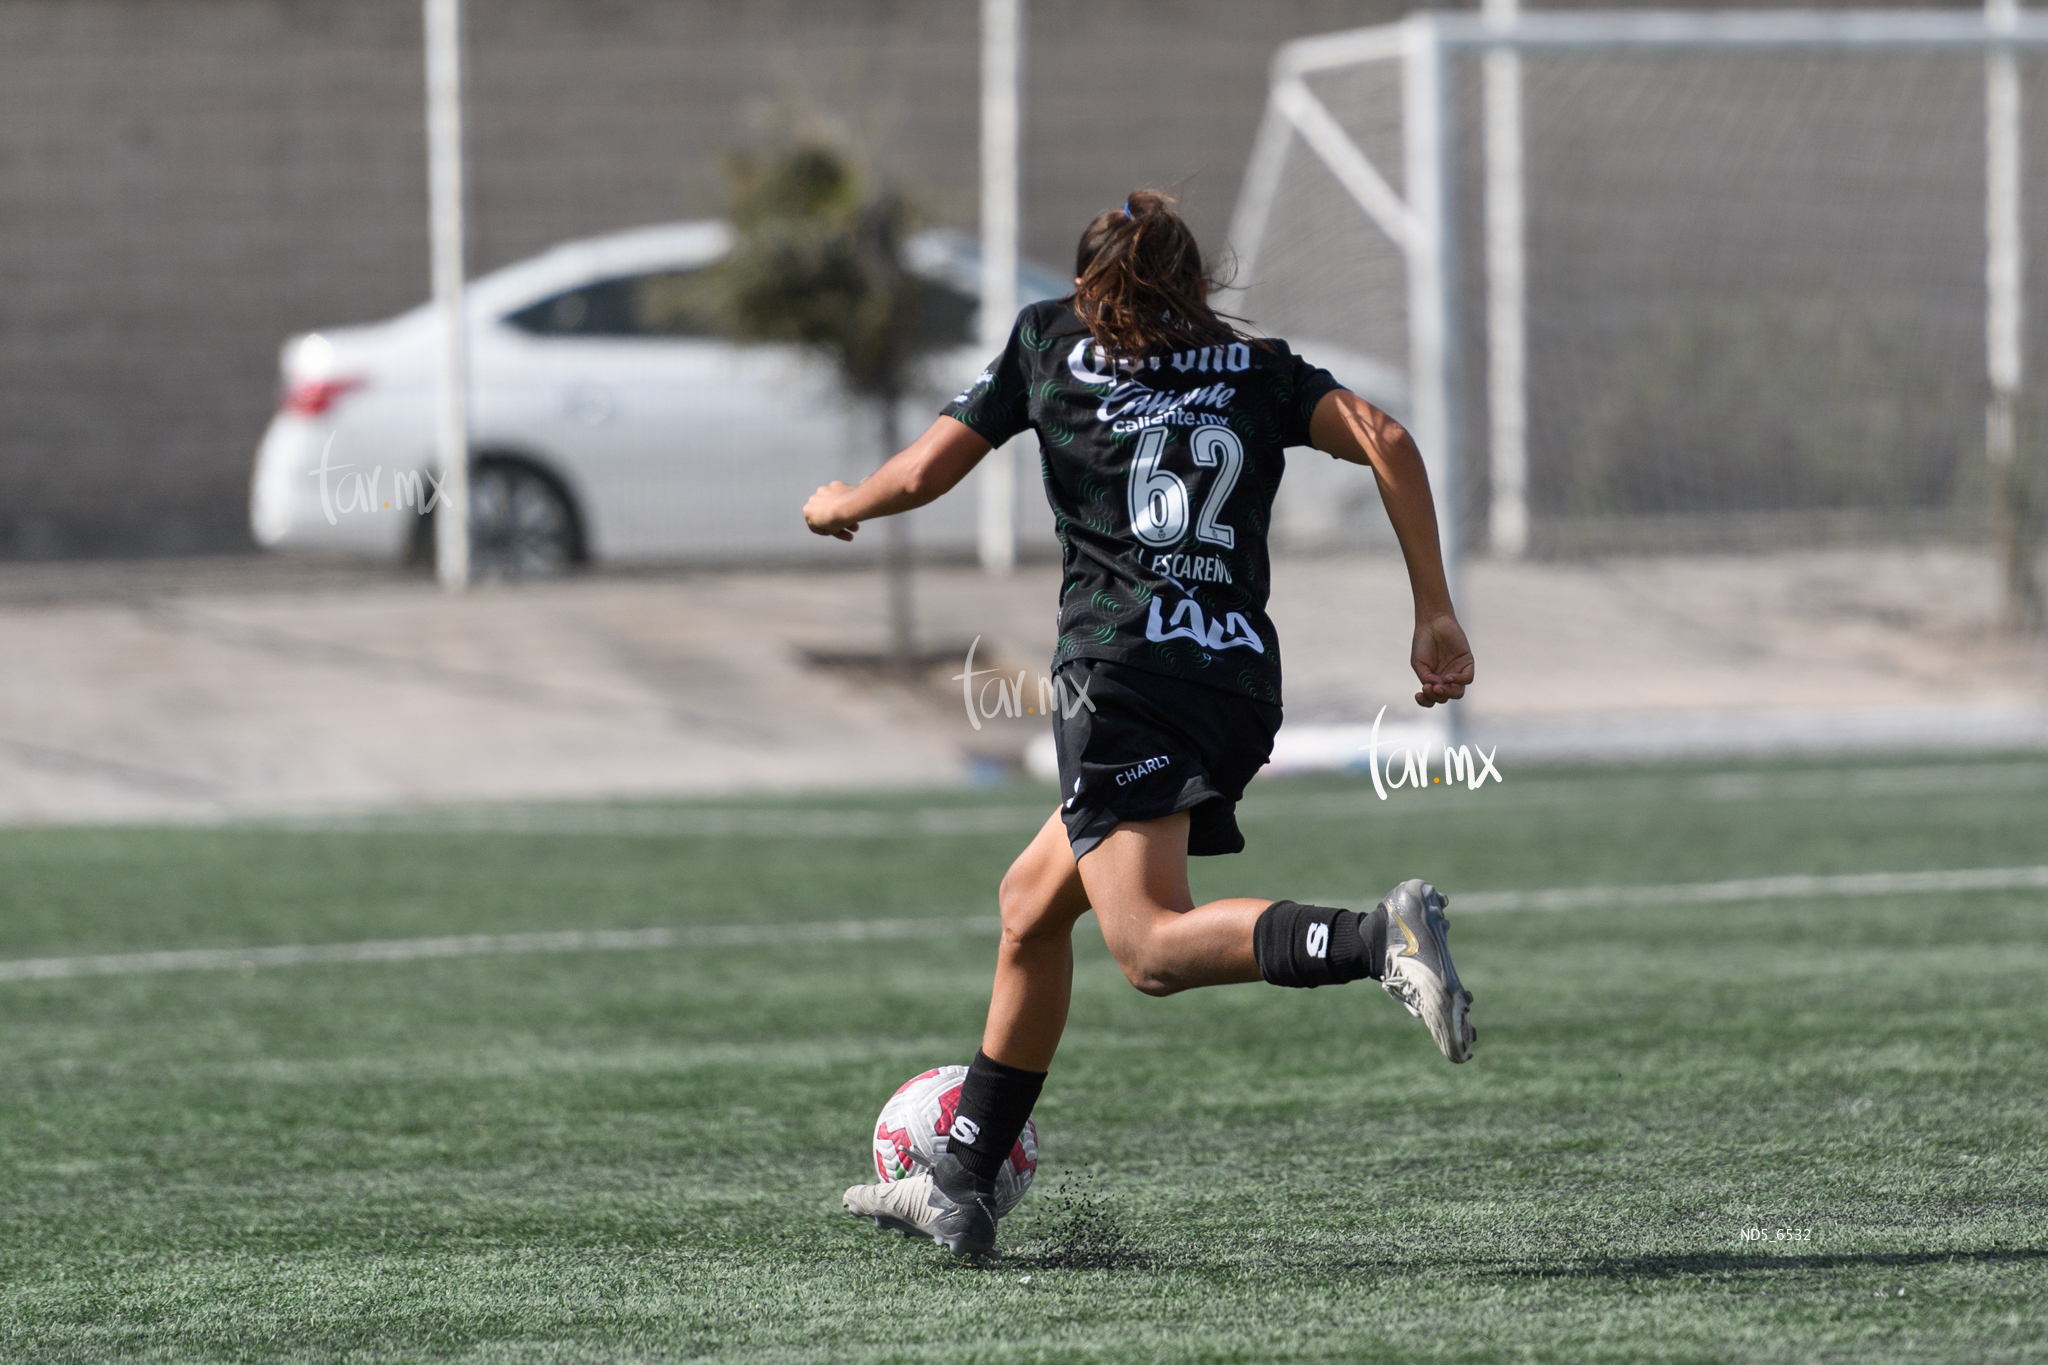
[{"x": 913, "y": 1131}]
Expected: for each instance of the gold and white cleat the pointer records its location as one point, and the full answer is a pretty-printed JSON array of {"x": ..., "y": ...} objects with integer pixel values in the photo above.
[
  {"x": 917, "y": 1207},
  {"x": 1417, "y": 968}
]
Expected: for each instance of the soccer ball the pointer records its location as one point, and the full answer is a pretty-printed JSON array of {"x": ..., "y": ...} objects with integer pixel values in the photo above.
[{"x": 912, "y": 1133}]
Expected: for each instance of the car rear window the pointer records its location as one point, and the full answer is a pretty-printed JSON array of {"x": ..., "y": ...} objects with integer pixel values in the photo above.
[
  {"x": 668, "y": 303},
  {"x": 684, "y": 303}
]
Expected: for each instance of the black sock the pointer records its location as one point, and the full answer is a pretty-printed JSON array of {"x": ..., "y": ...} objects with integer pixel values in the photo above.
[
  {"x": 1313, "y": 945},
  {"x": 995, "y": 1103}
]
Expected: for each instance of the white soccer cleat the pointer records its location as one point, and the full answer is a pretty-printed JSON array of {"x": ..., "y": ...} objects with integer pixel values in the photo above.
[
  {"x": 1417, "y": 968},
  {"x": 917, "y": 1207}
]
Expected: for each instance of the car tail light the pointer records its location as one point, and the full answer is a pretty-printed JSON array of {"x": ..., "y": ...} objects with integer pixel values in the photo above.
[{"x": 313, "y": 397}]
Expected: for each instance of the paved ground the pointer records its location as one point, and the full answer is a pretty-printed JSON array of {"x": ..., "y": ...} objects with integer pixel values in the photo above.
[{"x": 207, "y": 688}]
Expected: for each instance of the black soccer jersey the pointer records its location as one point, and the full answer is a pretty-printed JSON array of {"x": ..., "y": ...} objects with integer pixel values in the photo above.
[{"x": 1161, "y": 475}]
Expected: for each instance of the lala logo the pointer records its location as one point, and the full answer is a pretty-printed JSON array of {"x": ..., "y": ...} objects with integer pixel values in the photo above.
[{"x": 1230, "y": 632}]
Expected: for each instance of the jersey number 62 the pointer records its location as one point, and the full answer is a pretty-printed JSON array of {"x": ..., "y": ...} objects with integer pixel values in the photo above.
[{"x": 1159, "y": 497}]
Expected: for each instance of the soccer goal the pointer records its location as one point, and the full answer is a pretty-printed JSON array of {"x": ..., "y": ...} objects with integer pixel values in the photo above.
[{"x": 1659, "y": 280}]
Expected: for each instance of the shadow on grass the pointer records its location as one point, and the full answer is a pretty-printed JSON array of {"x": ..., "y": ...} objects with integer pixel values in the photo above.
[
  {"x": 1721, "y": 1262},
  {"x": 1082, "y": 1237},
  {"x": 1081, "y": 1230}
]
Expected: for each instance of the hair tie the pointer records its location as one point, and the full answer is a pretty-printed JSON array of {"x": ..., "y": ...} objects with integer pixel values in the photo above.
[{"x": 1127, "y": 208}]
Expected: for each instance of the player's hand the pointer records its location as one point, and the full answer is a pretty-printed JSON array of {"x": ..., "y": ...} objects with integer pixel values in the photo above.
[
  {"x": 1442, "y": 660},
  {"x": 821, "y": 513}
]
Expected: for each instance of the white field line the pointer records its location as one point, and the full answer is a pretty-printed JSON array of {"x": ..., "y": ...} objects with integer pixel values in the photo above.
[
  {"x": 488, "y": 945},
  {"x": 861, "y": 931},
  {"x": 1758, "y": 889}
]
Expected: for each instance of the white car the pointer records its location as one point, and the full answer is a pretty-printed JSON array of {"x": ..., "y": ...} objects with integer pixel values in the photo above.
[{"x": 608, "y": 422}]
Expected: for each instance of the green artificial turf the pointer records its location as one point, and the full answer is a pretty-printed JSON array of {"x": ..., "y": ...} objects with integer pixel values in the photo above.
[{"x": 637, "y": 1156}]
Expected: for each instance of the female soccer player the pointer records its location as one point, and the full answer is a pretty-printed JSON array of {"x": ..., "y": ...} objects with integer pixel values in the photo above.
[{"x": 1163, "y": 429}]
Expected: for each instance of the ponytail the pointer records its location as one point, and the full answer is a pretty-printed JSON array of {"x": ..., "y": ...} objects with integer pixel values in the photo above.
[{"x": 1140, "y": 281}]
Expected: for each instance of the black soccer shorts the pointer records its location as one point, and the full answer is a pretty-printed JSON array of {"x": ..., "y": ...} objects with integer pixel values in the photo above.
[{"x": 1151, "y": 746}]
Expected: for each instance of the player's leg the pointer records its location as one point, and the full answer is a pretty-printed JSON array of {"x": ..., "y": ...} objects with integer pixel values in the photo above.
[
  {"x": 1164, "y": 945},
  {"x": 1041, "y": 898},
  {"x": 954, "y": 1204},
  {"x": 1136, "y": 878}
]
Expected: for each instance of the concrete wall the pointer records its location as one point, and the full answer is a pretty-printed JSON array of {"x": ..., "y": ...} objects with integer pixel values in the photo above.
[{"x": 183, "y": 183}]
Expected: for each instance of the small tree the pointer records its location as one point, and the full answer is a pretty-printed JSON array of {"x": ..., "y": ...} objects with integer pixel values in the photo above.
[{"x": 819, "y": 262}]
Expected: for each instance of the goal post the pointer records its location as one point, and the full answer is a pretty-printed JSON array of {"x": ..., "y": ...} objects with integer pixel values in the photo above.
[
  {"x": 1870, "y": 171},
  {"x": 1415, "y": 223}
]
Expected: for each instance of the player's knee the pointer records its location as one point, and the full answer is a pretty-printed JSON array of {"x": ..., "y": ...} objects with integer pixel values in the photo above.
[
  {"x": 1147, "y": 978},
  {"x": 1028, "y": 910},
  {"x": 1145, "y": 966},
  {"x": 1151, "y": 983}
]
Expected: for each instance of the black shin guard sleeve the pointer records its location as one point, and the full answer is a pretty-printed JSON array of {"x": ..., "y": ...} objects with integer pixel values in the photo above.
[
  {"x": 1310, "y": 945},
  {"x": 1372, "y": 933},
  {"x": 995, "y": 1103}
]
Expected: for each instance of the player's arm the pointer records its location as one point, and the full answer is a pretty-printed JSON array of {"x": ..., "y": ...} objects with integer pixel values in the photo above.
[
  {"x": 922, "y": 471},
  {"x": 1350, "y": 428}
]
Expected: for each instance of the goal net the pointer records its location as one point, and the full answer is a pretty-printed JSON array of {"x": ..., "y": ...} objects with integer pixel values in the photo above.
[{"x": 1659, "y": 282}]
